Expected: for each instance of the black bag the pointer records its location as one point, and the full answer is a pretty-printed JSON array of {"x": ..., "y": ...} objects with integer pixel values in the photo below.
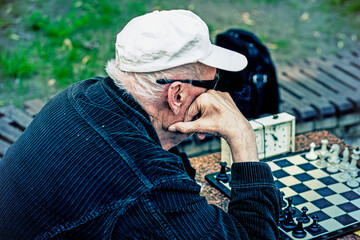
[{"x": 254, "y": 89}]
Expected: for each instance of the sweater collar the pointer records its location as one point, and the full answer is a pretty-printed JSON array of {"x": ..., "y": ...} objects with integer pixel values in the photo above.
[{"x": 128, "y": 104}]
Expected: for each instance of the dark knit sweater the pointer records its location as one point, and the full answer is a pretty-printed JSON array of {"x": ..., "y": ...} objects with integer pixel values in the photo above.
[{"x": 91, "y": 166}]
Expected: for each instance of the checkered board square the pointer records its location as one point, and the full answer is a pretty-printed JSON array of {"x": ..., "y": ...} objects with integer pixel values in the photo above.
[{"x": 325, "y": 195}]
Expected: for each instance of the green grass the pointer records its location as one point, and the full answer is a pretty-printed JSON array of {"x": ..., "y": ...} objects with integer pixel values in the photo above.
[
  {"x": 16, "y": 64},
  {"x": 47, "y": 45}
]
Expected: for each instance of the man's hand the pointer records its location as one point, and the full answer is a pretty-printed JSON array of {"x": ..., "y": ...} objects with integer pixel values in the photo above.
[{"x": 215, "y": 113}]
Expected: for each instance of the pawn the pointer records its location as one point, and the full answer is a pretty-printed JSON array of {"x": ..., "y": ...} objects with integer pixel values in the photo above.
[
  {"x": 283, "y": 203},
  {"x": 312, "y": 154},
  {"x": 299, "y": 231},
  {"x": 314, "y": 227},
  {"x": 289, "y": 223},
  {"x": 281, "y": 215},
  {"x": 222, "y": 176},
  {"x": 290, "y": 207},
  {"x": 304, "y": 216}
]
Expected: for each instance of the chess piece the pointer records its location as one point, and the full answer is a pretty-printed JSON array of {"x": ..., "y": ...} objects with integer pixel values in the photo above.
[
  {"x": 290, "y": 207},
  {"x": 345, "y": 175},
  {"x": 289, "y": 223},
  {"x": 356, "y": 151},
  {"x": 304, "y": 216},
  {"x": 314, "y": 227},
  {"x": 334, "y": 158},
  {"x": 331, "y": 168},
  {"x": 281, "y": 215},
  {"x": 283, "y": 203},
  {"x": 353, "y": 183},
  {"x": 354, "y": 158},
  {"x": 334, "y": 151},
  {"x": 312, "y": 154},
  {"x": 322, "y": 162},
  {"x": 299, "y": 231},
  {"x": 345, "y": 160},
  {"x": 324, "y": 143},
  {"x": 222, "y": 176}
]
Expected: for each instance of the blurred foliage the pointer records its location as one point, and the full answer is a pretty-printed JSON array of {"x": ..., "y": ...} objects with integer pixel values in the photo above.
[
  {"x": 47, "y": 45},
  {"x": 347, "y": 5}
]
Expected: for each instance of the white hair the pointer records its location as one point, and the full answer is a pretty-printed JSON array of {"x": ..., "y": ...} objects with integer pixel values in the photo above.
[{"x": 143, "y": 86}]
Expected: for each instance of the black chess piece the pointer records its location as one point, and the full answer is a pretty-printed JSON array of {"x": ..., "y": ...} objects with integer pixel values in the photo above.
[
  {"x": 304, "y": 216},
  {"x": 289, "y": 223},
  {"x": 222, "y": 176},
  {"x": 314, "y": 227},
  {"x": 290, "y": 207},
  {"x": 282, "y": 215},
  {"x": 299, "y": 231},
  {"x": 283, "y": 203}
]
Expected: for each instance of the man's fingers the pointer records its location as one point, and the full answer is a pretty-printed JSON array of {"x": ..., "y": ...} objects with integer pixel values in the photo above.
[
  {"x": 185, "y": 127},
  {"x": 193, "y": 111}
]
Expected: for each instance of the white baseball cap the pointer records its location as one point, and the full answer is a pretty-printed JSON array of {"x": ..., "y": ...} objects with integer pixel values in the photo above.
[{"x": 164, "y": 39}]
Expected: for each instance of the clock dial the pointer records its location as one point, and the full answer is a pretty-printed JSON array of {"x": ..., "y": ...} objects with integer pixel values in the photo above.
[
  {"x": 275, "y": 135},
  {"x": 277, "y": 139}
]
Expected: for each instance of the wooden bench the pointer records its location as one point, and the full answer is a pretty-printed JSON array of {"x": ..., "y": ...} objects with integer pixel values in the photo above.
[
  {"x": 14, "y": 121},
  {"x": 322, "y": 93}
]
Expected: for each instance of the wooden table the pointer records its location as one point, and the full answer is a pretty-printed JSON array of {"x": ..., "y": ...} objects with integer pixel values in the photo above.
[{"x": 208, "y": 164}]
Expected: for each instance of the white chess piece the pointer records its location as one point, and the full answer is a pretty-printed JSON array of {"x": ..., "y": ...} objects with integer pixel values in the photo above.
[
  {"x": 334, "y": 158},
  {"x": 345, "y": 175},
  {"x": 323, "y": 153},
  {"x": 334, "y": 151},
  {"x": 353, "y": 182},
  {"x": 324, "y": 143},
  {"x": 312, "y": 154},
  {"x": 354, "y": 158},
  {"x": 332, "y": 168},
  {"x": 345, "y": 160},
  {"x": 322, "y": 162}
]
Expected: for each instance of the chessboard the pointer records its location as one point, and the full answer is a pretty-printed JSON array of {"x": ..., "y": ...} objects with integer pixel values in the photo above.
[{"x": 320, "y": 192}]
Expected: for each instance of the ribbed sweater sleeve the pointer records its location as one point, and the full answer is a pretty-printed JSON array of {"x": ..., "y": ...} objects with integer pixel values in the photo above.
[
  {"x": 255, "y": 199},
  {"x": 176, "y": 210},
  {"x": 91, "y": 166}
]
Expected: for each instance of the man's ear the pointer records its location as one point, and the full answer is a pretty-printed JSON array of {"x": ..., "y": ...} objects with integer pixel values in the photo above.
[{"x": 176, "y": 96}]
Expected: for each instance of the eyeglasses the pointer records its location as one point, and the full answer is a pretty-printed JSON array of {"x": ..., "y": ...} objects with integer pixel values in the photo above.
[{"x": 207, "y": 84}]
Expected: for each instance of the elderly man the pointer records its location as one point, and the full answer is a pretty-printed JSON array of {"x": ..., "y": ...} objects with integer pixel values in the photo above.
[{"x": 94, "y": 163}]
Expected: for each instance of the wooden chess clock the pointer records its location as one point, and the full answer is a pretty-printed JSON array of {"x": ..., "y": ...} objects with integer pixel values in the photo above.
[{"x": 275, "y": 135}]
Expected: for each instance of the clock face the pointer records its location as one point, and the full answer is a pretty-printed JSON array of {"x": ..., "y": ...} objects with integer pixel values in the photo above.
[
  {"x": 274, "y": 134},
  {"x": 277, "y": 139}
]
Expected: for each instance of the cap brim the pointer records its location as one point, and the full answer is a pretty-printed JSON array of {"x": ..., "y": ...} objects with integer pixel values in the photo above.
[{"x": 225, "y": 59}]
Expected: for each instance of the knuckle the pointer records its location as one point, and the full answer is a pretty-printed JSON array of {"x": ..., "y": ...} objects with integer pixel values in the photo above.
[
  {"x": 181, "y": 128},
  {"x": 227, "y": 94}
]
